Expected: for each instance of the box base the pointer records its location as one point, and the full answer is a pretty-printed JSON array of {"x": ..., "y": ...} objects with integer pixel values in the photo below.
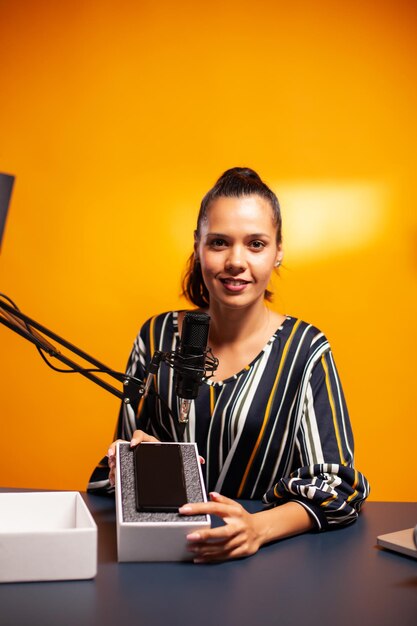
[
  {"x": 46, "y": 536},
  {"x": 156, "y": 536}
]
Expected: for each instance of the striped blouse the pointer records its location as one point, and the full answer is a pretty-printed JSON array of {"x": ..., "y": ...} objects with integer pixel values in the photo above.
[{"x": 277, "y": 430}]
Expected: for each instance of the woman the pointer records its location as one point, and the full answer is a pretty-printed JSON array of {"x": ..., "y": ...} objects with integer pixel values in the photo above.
[{"x": 272, "y": 423}]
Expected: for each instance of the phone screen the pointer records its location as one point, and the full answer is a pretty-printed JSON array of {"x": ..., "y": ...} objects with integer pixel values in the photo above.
[{"x": 159, "y": 477}]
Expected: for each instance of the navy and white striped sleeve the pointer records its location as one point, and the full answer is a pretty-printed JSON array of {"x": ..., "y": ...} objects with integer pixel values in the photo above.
[{"x": 323, "y": 478}]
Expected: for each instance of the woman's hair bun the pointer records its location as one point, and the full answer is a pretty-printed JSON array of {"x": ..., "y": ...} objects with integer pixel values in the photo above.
[{"x": 244, "y": 172}]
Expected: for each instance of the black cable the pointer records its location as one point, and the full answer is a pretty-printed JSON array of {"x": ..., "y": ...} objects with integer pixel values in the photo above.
[{"x": 10, "y": 301}]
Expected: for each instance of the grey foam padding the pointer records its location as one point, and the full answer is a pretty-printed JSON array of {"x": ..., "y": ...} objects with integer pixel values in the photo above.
[{"x": 127, "y": 483}]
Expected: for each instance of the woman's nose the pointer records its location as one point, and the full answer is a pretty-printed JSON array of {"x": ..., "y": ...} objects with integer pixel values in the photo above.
[{"x": 236, "y": 259}]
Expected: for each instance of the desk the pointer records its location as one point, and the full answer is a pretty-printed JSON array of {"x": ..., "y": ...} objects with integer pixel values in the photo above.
[{"x": 337, "y": 577}]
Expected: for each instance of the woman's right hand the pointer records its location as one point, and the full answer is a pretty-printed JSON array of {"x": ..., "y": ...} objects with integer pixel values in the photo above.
[{"x": 138, "y": 437}]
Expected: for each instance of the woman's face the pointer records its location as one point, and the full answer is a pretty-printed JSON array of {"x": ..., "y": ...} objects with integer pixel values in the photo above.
[{"x": 237, "y": 250}]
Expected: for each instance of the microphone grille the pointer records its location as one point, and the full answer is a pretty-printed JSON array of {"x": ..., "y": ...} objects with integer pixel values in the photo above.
[{"x": 195, "y": 329}]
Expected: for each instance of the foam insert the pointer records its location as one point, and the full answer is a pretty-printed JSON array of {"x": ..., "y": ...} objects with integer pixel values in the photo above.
[{"x": 127, "y": 483}]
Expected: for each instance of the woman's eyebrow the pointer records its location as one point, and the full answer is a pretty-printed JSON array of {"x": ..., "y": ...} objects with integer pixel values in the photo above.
[
  {"x": 259, "y": 235},
  {"x": 246, "y": 236}
]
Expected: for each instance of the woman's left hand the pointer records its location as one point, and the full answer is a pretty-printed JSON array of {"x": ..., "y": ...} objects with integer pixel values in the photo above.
[{"x": 239, "y": 536}]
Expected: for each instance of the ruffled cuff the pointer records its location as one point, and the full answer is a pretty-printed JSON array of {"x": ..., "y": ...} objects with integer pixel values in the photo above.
[{"x": 333, "y": 494}]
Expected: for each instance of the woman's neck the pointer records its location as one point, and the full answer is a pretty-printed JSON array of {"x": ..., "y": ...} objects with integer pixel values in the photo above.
[{"x": 230, "y": 326}]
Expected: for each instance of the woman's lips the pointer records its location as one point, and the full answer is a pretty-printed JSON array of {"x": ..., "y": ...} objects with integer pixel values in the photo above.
[{"x": 235, "y": 285}]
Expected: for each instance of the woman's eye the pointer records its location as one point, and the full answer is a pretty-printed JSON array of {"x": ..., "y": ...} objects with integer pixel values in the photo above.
[
  {"x": 217, "y": 243},
  {"x": 257, "y": 245}
]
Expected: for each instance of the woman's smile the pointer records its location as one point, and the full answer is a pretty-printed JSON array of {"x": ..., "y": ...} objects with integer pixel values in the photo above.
[{"x": 234, "y": 285}]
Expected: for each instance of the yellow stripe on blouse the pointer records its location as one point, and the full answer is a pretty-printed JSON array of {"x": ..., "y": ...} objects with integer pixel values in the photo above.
[
  {"x": 333, "y": 408},
  {"x": 212, "y": 399},
  {"x": 355, "y": 484},
  {"x": 268, "y": 408}
]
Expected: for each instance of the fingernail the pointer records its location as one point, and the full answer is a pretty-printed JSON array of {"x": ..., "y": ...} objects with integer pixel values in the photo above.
[
  {"x": 134, "y": 443},
  {"x": 185, "y": 509},
  {"x": 193, "y": 537},
  {"x": 214, "y": 494},
  {"x": 110, "y": 452}
]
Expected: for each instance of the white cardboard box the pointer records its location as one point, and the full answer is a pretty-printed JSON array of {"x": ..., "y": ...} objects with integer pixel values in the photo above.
[
  {"x": 155, "y": 541},
  {"x": 46, "y": 536}
]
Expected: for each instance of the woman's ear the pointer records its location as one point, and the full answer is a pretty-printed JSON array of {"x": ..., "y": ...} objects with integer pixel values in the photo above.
[
  {"x": 196, "y": 242},
  {"x": 280, "y": 256}
]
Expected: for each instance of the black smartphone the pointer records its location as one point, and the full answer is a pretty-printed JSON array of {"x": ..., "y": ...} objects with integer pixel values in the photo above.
[{"x": 159, "y": 477}]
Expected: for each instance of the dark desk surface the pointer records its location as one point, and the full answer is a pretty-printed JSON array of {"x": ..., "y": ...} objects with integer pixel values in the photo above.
[{"x": 338, "y": 577}]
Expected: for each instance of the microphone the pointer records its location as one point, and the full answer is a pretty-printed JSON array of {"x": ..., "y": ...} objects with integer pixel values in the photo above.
[{"x": 190, "y": 360}]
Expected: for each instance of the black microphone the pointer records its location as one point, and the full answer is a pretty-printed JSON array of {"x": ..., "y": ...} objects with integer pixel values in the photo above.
[{"x": 190, "y": 360}]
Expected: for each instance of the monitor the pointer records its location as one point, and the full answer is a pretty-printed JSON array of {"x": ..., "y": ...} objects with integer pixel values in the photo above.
[{"x": 6, "y": 186}]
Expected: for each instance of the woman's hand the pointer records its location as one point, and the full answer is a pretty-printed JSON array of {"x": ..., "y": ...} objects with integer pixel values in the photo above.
[
  {"x": 239, "y": 537},
  {"x": 244, "y": 533},
  {"x": 138, "y": 437}
]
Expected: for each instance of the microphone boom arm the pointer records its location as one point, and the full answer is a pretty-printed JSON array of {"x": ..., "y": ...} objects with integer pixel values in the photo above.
[{"x": 24, "y": 326}]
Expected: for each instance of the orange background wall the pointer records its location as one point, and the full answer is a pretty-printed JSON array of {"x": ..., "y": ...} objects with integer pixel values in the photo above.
[{"x": 116, "y": 117}]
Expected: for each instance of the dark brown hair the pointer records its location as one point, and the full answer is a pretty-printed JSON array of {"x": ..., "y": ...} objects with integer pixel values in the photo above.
[{"x": 235, "y": 182}]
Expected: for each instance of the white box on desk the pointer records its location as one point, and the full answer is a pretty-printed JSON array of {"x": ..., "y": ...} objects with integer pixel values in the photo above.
[
  {"x": 156, "y": 541},
  {"x": 46, "y": 536}
]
